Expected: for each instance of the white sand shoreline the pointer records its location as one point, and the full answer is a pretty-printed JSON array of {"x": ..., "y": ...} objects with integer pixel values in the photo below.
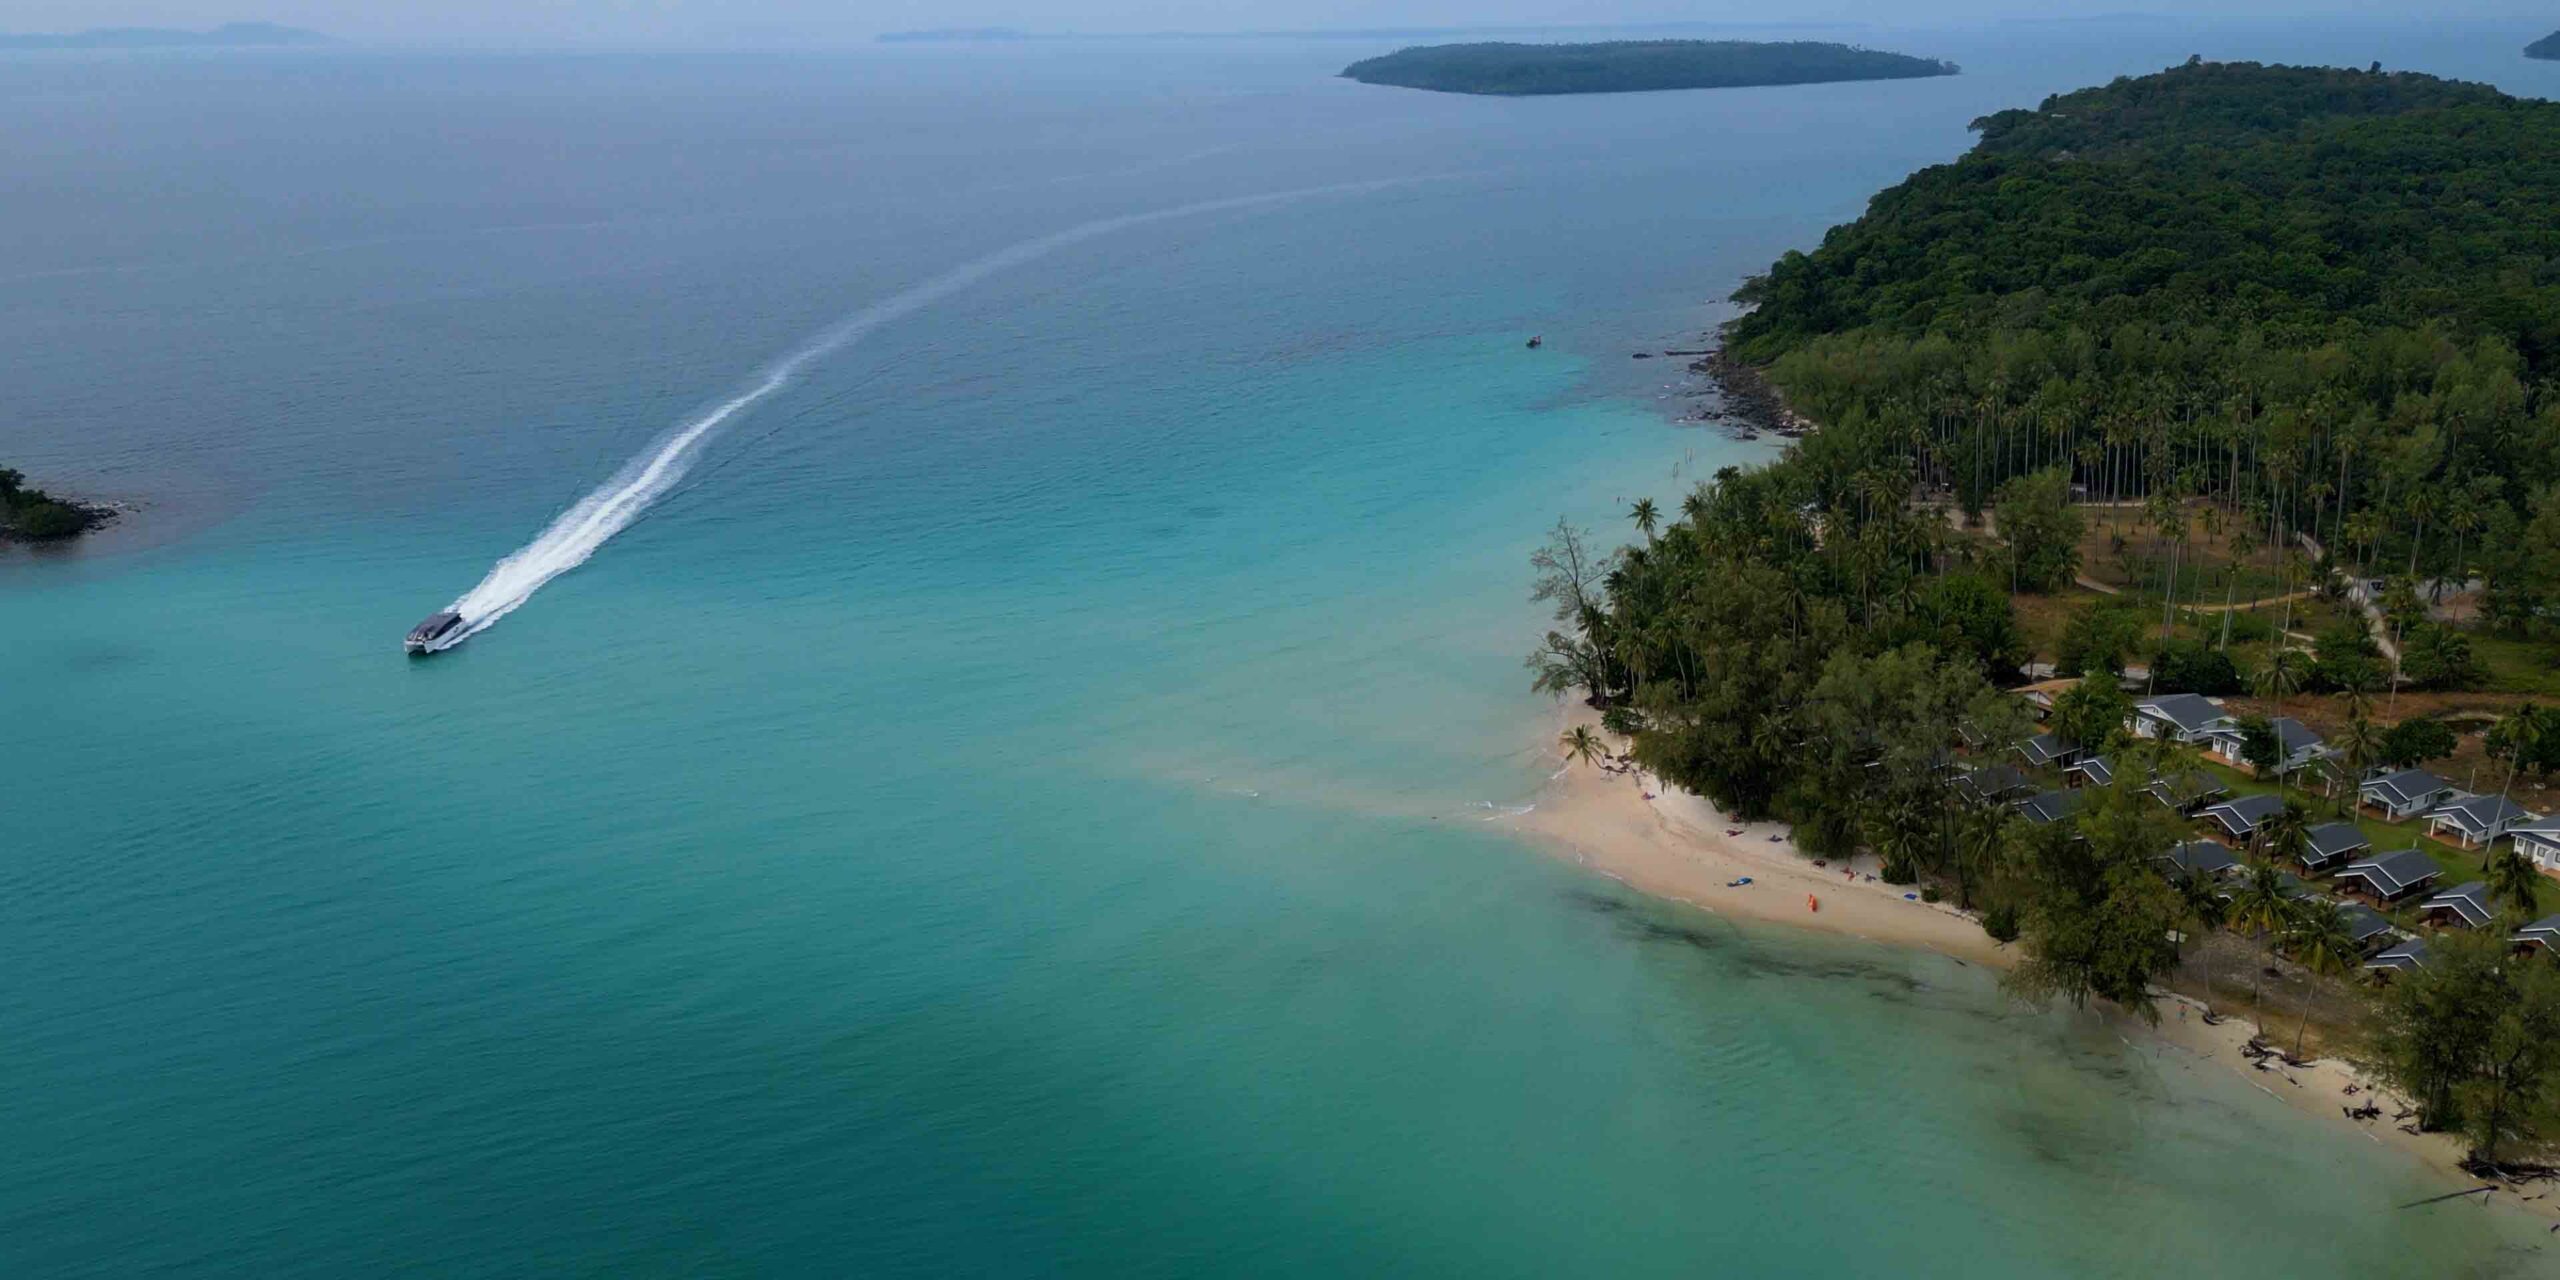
[{"x": 1670, "y": 844}]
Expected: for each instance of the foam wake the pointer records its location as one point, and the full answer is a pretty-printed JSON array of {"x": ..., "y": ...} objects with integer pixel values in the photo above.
[{"x": 593, "y": 520}]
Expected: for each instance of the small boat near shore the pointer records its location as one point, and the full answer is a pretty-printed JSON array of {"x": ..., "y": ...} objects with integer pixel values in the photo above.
[{"x": 433, "y": 634}]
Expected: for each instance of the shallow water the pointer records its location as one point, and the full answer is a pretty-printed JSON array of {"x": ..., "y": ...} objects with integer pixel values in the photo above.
[{"x": 1017, "y": 804}]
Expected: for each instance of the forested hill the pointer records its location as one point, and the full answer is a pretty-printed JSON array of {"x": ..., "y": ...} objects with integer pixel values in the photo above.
[
  {"x": 1630, "y": 66},
  {"x": 2307, "y": 202},
  {"x": 2331, "y": 293},
  {"x": 2546, "y": 48}
]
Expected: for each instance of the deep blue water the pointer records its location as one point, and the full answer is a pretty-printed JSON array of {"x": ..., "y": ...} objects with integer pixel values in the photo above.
[{"x": 1015, "y": 806}]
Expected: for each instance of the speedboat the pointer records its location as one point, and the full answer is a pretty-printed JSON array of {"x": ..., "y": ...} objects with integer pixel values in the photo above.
[{"x": 432, "y": 634}]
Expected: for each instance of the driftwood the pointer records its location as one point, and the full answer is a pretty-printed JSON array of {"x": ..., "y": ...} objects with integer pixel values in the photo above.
[
  {"x": 2450, "y": 1195},
  {"x": 2513, "y": 1171}
]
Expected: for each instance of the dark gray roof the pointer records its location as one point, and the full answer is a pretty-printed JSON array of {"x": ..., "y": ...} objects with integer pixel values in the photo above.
[
  {"x": 2364, "y": 924},
  {"x": 2480, "y": 813},
  {"x": 2408, "y": 955},
  {"x": 2096, "y": 769},
  {"x": 2191, "y": 712},
  {"x": 2407, "y": 787},
  {"x": 2545, "y": 931},
  {"x": 2053, "y": 806},
  {"x": 2393, "y": 873},
  {"x": 2047, "y": 747},
  {"x": 2292, "y": 736},
  {"x": 2242, "y": 816},
  {"x": 1992, "y": 781},
  {"x": 2469, "y": 901},
  {"x": 2200, "y": 857},
  {"x": 2187, "y": 789},
  {"x": 2547, "y": 828},
  {"x": 2331, "y": 841}
]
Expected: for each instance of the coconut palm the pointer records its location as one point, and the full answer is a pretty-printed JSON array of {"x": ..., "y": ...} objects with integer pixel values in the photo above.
[
  {"x": 1580, "y": 743},
  {"x": 2318, "y": 936},
  {"x": 2513, "y": 879},
  {"x": 2283, "y": 675},
  {"x": 2516, "y": 733},
  {"x": 1646, "y": 516},
  {"x": 2259, "y": 907},
  {"x": 2210, "y": 911},
  {"x": 2361, "y": 744},
  {"x": 2288, "y": 833},
  {"x": 1980, "y": 836}
]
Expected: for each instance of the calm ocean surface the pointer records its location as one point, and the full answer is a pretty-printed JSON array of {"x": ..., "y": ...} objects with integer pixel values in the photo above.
[{"x": 1017, "y": 806}]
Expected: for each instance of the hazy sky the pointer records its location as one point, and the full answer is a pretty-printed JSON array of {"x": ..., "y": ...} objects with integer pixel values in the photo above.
[{"x": 732, "y": 21}]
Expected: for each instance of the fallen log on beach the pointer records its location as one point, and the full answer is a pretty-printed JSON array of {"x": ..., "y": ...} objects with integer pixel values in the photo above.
[{"x": 2450, "y": 1195}]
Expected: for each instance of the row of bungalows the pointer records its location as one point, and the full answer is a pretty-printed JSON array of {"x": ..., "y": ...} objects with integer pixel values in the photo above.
[
  {"x": 2195, "y": 718},
  {"x": 2215, "y": 860},
  {"x": 2542, "y": 936},
  {"x": 2451, "y": 813},
  {"x": 2365, "y": 884}
]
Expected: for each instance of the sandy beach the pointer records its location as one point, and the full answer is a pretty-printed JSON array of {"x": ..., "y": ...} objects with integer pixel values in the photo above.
[{"x": 1671, "y": 844}]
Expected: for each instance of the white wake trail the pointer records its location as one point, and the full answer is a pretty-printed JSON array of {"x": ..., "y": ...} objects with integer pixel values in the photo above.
[{"x": 593, "y": 520}]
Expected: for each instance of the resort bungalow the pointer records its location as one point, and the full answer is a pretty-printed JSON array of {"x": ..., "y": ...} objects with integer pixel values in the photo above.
[
  {"x": 2187, "y": 792},
  {"x": 2047, "y": 750},
  {"x": 2464, "y": 908},
  {"x": 2366, "y": 925},
  {"x": 2296, "y": 744},
  {"x": 2539, "y": 842},
  {"x": 2040, "y": 695},
  {"x": 2405, "y": 958},
  {"x": 2478, "y": 820},
  {"x": 2391, "y": 877},
  {"x": 2053, "y": 806},
  {"x": 2541, "y": 935},
  {"x": 2179, "y": 717},
  {"x": 2240, "y": 819},
  {"x": 1993, "y": 783},
  {"x": 2201, "y": 858},
  {"x": 2332, "y": 844},
  {"x": 2406, "y": 794},
  {"x": 2090, "y": 771}
]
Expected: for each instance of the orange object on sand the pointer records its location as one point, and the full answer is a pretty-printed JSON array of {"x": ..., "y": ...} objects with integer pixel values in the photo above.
[{"x": 1812, "y": 903}]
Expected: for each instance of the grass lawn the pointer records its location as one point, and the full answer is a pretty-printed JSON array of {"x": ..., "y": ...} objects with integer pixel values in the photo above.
[{"x": 2518, "y": 665}]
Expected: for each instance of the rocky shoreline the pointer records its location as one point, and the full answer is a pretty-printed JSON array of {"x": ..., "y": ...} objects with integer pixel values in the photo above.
[{"x": 1738, "y": 396}]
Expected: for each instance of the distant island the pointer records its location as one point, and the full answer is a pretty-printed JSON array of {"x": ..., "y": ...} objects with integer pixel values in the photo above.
[
  {"x": 32, "y": 515},
  {"x": 1634, "y": 66},
  {"x": 954, "y": 35},
  {"x": 2546, "y": 48},
  {"x": 228, "y": 35}
]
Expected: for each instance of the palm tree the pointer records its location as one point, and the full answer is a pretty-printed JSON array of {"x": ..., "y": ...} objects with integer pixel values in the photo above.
[
  {"x": 2288, "y": 833},
  {"x": 2283, "y": 675},
  {"x": 2322, "y": 943},
  {"x": 2520, "y": 728},
  {"x": 2362, "y": 745},
  {"x": 2260, "y": 907},
  {"x": 2205, "y": 903},
  {"x": 2513, "y": 879},
  {"x": 1646, "y": 516},
  {"x": 1980, "y": 837},
  {"x": 1580, "y": 743}
]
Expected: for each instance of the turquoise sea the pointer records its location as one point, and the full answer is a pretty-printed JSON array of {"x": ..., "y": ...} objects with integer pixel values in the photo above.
[{"x": 1015, "y": 806}]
